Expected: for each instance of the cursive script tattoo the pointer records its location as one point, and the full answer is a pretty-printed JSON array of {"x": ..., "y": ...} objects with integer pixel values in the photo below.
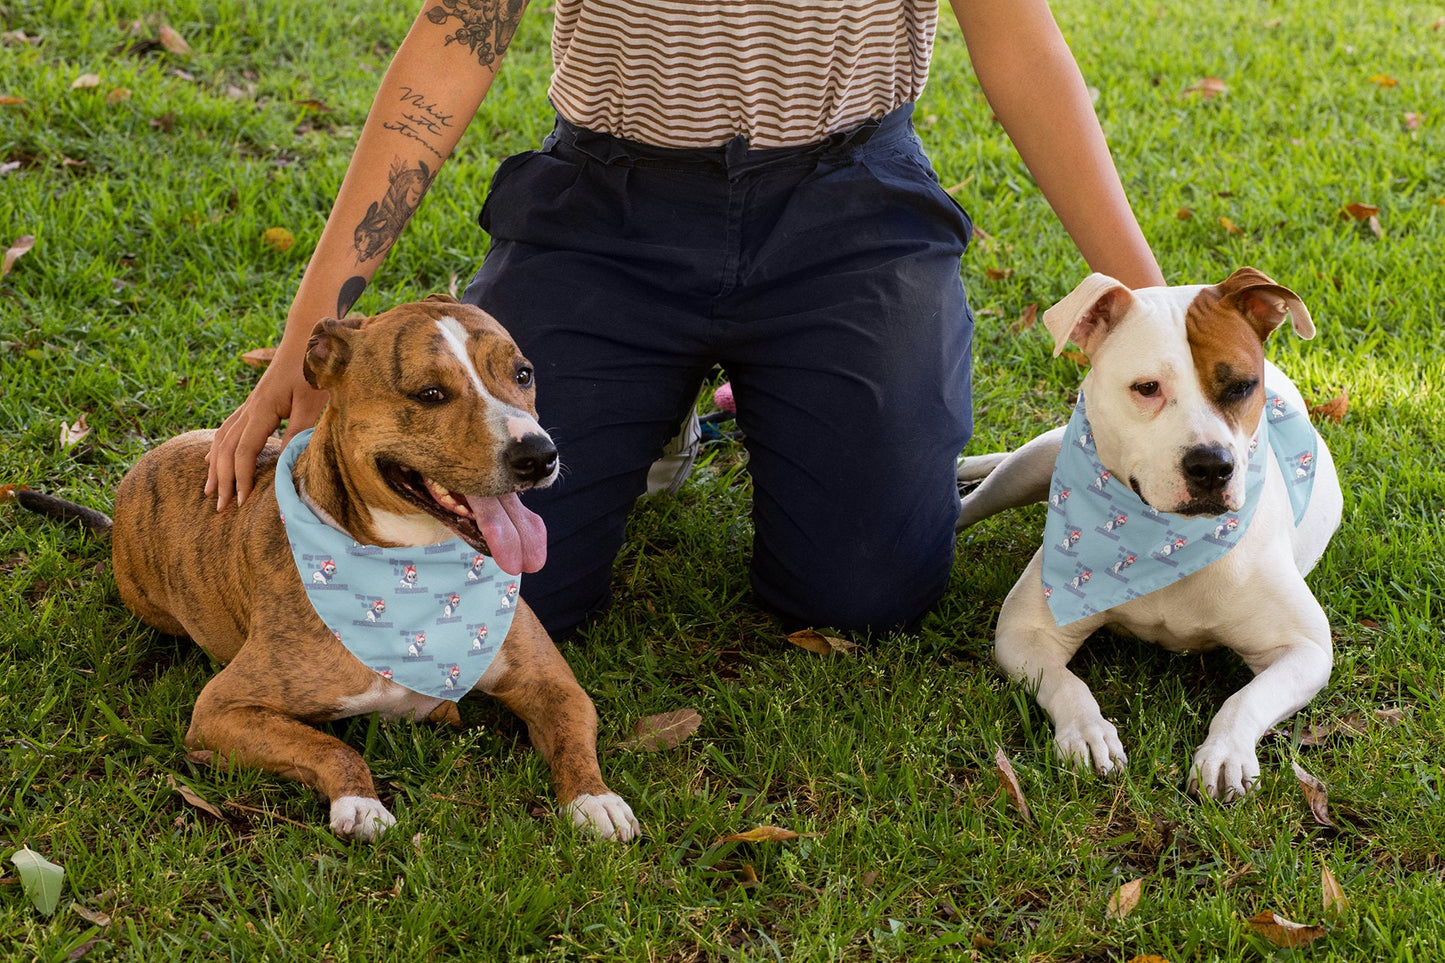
[
  {"x": 486, "y": 27},
  {"x": 421, "y": 120},
  {"x": 384, "y": 219}
]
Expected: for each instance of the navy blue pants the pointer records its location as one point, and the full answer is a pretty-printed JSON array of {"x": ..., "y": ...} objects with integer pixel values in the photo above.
[{"x": 823, "y": 279}]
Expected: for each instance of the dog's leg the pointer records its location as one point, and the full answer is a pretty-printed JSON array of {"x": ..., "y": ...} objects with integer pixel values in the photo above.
[
  {"x": 1019, "y": 478},
  {"x": 248, "y": 716},
  {"x": 1036, "y": 653},
  {"x": 1288, "y": 673},
  {"x": 530, "y": 676}
]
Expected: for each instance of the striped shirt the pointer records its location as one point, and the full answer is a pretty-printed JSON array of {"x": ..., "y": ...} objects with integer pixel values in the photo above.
[{"x": 696, "y": 73}]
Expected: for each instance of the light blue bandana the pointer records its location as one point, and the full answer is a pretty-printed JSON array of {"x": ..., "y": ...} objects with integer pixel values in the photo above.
[
  {"x": 1104, "y": 546},
  {"x": 430, "y": 618}
]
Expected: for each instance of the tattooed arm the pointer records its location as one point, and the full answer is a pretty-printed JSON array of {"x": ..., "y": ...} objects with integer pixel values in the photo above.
[{"x": 433, "y": 87}]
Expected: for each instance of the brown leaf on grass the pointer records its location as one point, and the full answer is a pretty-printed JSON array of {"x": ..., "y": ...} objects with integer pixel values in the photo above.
[
  {"x": 173, "y": 41},
  {"x": 1207, "y": 88},
  {"x": 666, "y": 730},
  {"x": 1125, "y": 898},
  {"x": 7, "y": 492},
  {"x": 95, "y": 917},
  {"x": 1316, "y": 795},
  {"x": 1010, "y": 780},
  {"x": 1027, "y": 319},
  {"x": 1229, "y": 226},
  {"x": 277, "y": 238},
  {"x": 85, "y": 82},
  {"x": 820, "y": 644},
  {"x": 1077, "y": 357},
  {"x": 998, "y": 274},
  {"x": 18, "y": 249},
  {"x": 259, "y": 357},
  {"x": 1332, "y": 894},
  {"x": 1283, "y": 932},
  {"x": 1384, "y": 81},
  {"x": 116, "y": 96},
  {"x": 195, "y": 799},
  {"x": 74, "y": 433},
  {"x": 10, "y": 100},
  {"x": 1359, "y": 211},
  {"x": 1148, "y": 958},
  {"x": 1184, "y": 213},
  {"x": 763, "y": 834},
  {"x": 1333, "y": 410}
]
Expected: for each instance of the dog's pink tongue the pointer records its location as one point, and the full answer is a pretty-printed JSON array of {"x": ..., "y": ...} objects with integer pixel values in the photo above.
[{"x": 515, "y": 534}]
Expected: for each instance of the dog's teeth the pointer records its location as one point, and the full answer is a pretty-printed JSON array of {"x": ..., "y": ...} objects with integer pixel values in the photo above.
[{"x": 447, "y": 500}]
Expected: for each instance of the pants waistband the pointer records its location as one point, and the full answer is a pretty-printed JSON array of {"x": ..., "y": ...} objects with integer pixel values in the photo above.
[{"x": 735, "y": 157}]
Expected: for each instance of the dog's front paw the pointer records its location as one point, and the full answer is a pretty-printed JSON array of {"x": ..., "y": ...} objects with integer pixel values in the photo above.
[
  {"x": 607, "y": 815},
  {"x": 1093, "y": 743},
  {"x": 360, "y": 817},
  {"x": 1223, "y": 770}
]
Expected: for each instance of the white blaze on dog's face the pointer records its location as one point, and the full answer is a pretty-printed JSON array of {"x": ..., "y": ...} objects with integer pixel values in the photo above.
[
  {"x": 1175, "y": 388},
  {"x": 433, "y": 414}
]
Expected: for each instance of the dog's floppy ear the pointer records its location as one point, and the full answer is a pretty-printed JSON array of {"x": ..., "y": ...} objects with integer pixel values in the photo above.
[
  {"x": 329, "y": 350},
  {"x": 1265, "y": 303},
  {"x": 1088, "y": 312}
]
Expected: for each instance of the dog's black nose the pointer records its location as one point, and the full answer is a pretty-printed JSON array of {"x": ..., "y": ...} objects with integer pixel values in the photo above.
[
  {"x": 531, "y": 459},
  {"x": 1207, "y": 468}
]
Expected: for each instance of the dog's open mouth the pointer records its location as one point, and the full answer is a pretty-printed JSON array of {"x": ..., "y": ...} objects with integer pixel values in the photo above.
[{"x": 501, "y": 527}]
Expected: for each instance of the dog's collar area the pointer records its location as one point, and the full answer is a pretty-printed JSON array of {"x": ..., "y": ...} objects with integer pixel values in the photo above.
[{"x": 1104, "y": 545}]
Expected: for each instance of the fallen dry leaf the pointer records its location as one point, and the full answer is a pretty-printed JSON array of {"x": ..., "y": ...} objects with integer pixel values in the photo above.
[
  {"x": 1125, "y": 898},
  {"x": 1283, "y": 932},
  {"x": 194, "y": 798},
  {"x": 313, "y": 105},
  {"x": 74, "y": 433},
  {"x": 1010, "y": 781},
  {"x": 1333, "y": 410},
  {"x": 998, "y": 274},
  {"x": 1359, "y": 211},
  {"x": 1316, "y": 794},
  {"x": 1384, "y": 81},
  {"x": 173, "y": 41},
  {"x": 1229, "y": 226},
  {"x": 85, "y": 82},
  {"x": 1331, "y": 892},
  {"x": 1027, "y": 319},
  {"x": 91, "y": 916},
  {"x": 820, "y": 644},
  {"x": 116, "y": 96},
  {"x": 10, "y": 100},
  {"x": 259, "y": 357},
  {"x": 666, "y": 730},
  {"x": 1077, "y": 357},
  {"x": 1148, "y": 958},
  {"x": 1207, "y": 88},
  {"x": 18, "y": 248},
  {"x": 1184, "y": 213},
  {"x": 762, "y": 834},
  {"x": 277, "y": 238}
]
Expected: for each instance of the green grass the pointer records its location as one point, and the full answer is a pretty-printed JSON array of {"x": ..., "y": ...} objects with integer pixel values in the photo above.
[{"x": 148, "y": 280}]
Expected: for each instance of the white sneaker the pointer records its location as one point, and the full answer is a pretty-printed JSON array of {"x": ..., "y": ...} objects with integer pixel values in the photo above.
[{"x": 669, "y": 472}]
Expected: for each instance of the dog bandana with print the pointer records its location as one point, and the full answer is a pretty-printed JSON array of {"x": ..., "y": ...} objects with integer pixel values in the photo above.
[
  {"x": 1104, "y": 546},
  {"x": 429, "y": 617}
]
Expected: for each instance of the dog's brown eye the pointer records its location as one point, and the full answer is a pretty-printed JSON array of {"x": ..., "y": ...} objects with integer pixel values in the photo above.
[
  {"x": 430, "y": 395},
  {"x": 1147, "y": 389},
  {"x": 524, "y": 377},
  {"x": 1239, "y": 390}
]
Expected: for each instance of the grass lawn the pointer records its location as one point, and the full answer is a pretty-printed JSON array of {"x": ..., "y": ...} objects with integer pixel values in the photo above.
[{"x": 148, "y": 194}]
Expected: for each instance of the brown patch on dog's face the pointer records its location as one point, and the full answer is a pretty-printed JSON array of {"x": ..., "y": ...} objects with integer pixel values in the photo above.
[{"x": 1228, "y": 356}]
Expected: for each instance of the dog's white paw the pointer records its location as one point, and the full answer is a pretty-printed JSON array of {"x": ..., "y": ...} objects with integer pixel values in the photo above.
[
  {"x": 1223, "y": 770},
  {"x": 360, "y": 817},
  {"x": 1092, "y": 742},
  {"x": 607, "y": 815}
]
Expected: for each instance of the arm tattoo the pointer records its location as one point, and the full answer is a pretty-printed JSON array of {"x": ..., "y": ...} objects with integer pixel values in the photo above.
[
  {"x": 350, "y": 294},
  {"x": 486, "y": 27},
  {"x": 384, "y": 219},
  {"x": 421, "y": 120}
]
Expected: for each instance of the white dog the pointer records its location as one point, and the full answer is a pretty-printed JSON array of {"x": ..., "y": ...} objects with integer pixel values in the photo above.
[{"x": 1175, "y": 398}]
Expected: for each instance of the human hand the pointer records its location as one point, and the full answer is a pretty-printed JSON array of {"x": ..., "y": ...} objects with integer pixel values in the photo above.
[{"x": 281, "y": 394}]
